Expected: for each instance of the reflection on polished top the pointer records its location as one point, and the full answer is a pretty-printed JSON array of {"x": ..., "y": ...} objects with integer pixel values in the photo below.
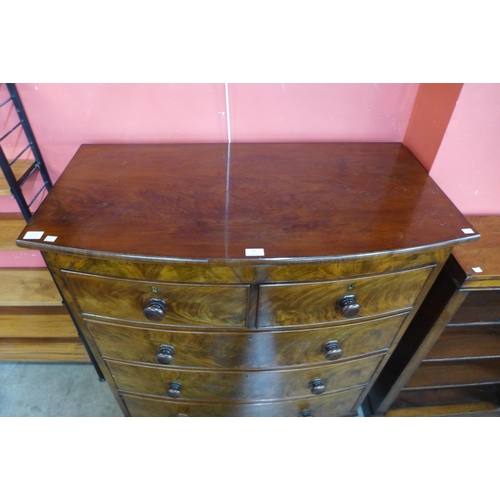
[{"x": 214, "y": 201}]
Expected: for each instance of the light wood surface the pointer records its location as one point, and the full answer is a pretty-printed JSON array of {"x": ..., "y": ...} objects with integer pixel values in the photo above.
[
  {"x": 18, "y": 170},
  {"x": 11, "y": 226},
  {"x": 43, "y": 350},
  {"x": 36, "y": 322},
  {"x": 28, "y": 287}
]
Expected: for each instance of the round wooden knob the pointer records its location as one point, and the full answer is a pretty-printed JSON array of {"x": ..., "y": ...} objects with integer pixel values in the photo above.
[
  {"x": 306, "y": 413},
  {"x": 317, "y": 386},
  {"x": 348, "y": 306},
  {"x": 165, "y": 354},
  {"x": 155, "y": 309},
  {"x": 174, "y": 390},
  {"x": 332, "y": 350}
]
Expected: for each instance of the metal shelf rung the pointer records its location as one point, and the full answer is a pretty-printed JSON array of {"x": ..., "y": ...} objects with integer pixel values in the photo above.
[
  {"x": 5, "y": 102},
  {"x": 10, "y": 131}
]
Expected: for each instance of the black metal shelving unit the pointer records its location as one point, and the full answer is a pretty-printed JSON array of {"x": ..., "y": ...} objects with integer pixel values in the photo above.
[{"x": 38, "y": 165}]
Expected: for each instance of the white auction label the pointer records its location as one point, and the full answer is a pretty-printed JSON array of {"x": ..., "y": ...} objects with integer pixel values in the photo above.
[
  {"x": 50, "y": 239},
  {"x": 33, "y": 235},
  {"x": 468, "y": 230},
  {"x": 477, "y": 269},
  {"x": 254, "y": 252}
]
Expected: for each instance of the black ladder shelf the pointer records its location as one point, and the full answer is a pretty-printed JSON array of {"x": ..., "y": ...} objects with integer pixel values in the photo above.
[{"x": 16, "y": 185}]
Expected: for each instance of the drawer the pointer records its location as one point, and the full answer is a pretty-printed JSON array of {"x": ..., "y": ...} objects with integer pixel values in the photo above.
[
  {"x": 316, "y": 303},
  {"x": 332, "y": 405},
  {"x": 250, "y": 350},
  {"x": 462, "y": 341},
  {"x": 479, "y": 307},
  {"x": 204, "y": 385},
  {"x": 456, "y": 372},
  {"x": 186, "y": 304}
]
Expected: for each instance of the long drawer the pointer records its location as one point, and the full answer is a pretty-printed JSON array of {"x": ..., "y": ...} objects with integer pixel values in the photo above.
[
  {"x": 204, "y": 385},
  {"x": 331, "y": 405},
  {"x": 185, "y": 304},
  {"x": 249, "y": 350},
  {"x": 327, "y": 302}
]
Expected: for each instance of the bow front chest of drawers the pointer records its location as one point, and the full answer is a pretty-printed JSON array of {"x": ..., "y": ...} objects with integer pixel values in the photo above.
[{"x": 250, "y": 280}]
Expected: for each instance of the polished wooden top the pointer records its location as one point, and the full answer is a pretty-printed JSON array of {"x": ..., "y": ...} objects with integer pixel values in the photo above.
[
  {"x": 208, "y": 201},
  {"x": 481, "y": 259}
]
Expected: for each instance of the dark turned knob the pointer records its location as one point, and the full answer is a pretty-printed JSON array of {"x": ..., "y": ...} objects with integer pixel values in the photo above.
[
  {"x": 348, "y": 306},
  {"x": 317, "y": 386},
  {"x": 332, "y": 350},
  {"x": 155, "y": 309},
  {"x": 165, "y": 354},
  {"x": 306, "y": 413},
  {"x": 175, "y": 390}
]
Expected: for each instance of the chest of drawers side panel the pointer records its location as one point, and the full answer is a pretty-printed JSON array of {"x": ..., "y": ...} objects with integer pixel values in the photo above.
[{"x": 439, "y": 304}]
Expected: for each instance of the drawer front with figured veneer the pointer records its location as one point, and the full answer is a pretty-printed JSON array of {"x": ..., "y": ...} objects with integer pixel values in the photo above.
[
  {"x": 249, "y": 350},
  {"x": 204, "y": 385},
  {"x": 157, "y": 302},
  {"x": 331, "y": 405},
  {"x": 327, "y": 302}
]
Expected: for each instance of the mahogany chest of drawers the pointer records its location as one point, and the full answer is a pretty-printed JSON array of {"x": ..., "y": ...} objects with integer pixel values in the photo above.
[
  {"x": 244, "y": 280},
  {"x": 456, "y": 371}
]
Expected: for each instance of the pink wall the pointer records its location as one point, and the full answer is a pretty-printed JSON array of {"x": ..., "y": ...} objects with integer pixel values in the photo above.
[
  {"x": 63, "y": 116},
  {"x": 320, "y": 112},
  {"x": 429, "y": 120},
  {"x": 467, "y": 165}
]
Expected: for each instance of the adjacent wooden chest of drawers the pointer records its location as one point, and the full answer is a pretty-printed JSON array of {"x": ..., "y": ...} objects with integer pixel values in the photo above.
[
  {"x": 456, "y": 371},
  {"x": 250, "y": 280}
]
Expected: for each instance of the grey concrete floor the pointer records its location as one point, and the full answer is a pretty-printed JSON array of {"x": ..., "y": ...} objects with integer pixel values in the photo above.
[{"x": 54, "y": 390}]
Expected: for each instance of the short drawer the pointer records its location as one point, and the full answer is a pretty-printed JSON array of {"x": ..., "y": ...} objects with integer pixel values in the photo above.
[
  {"x": 331, "y": 405},
  {"x": 467, "y": 341},
  {"x": 204, "y": 385},
  {"x": 327, "y": 302},
  {"x": 185, "y": 304},
  {"x": 456, "y": 372},
  {"x": 250, "y": 350}
]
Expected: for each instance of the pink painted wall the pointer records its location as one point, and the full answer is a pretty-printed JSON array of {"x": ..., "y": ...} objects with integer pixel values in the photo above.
[
  {"x": 429, "y": 120},
  {"x": 64, "y": 116},
  {"x": 320, "y": 112},
  {"x": 467, "y": 165}
]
